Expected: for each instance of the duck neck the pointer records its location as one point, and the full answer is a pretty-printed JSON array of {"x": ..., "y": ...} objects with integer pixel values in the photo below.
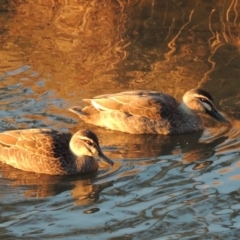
[
  {"x": 189, "y": 121},
  {"x": 86, "y": 164},
  {"x": 82, "y": 164},
  {"x": 185, "y": 109}
]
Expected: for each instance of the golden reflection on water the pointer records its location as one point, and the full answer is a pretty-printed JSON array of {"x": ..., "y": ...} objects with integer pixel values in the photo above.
[
  {"x": 160, "y": 46},
  {"x": 75, "y": 43},
  {"x": 225, "y": 170}
]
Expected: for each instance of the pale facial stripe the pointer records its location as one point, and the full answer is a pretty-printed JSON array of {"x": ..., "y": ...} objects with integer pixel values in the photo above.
[
  {"x": 86, "y": 139},
  {"x": 207, "y": 106}
]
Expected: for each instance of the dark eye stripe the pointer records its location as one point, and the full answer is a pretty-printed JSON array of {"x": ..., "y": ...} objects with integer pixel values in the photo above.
[
  {"x": 90, "y": 143},
  {"x": 204, "y": 93},
  {"x": 206, "y": 101},
  {"x": 203, "y": 100}
]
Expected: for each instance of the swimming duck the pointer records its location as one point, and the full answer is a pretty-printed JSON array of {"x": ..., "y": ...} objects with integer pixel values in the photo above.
[
  {"x": 149, "y": 112},
  {"x": 51, "y": 152}
]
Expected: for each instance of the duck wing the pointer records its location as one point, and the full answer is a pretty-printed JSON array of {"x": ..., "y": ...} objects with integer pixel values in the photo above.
[
  {"x": 36, "y": 150},
  {"x": 150, "y": 104},
  {"x": 41, "y": 142}
]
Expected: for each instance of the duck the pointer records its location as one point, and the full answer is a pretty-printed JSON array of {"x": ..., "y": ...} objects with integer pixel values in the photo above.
[
  {"x": 48, "y": 151},
  {"x": 149, "y": 112}
]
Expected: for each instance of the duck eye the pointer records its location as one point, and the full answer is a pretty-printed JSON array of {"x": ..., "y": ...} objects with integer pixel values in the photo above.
[
  {"x": 202, "y": 99},
  {"x": 90, "y": 143}
]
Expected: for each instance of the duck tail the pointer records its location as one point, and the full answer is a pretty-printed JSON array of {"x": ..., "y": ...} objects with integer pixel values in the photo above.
[{"x": 77, "y": 110}]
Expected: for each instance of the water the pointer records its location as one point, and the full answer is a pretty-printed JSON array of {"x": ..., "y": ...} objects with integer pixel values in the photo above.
[{"x": 55, "y": 53}]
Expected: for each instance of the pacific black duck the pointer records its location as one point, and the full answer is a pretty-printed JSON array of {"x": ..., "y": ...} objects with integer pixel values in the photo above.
[
  {"x": 149, "y": 112},
  {"x": 51, "y": 152}
]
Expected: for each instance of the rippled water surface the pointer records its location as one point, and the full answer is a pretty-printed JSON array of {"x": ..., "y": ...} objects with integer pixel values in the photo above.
[{"x": 55, "y": 53}]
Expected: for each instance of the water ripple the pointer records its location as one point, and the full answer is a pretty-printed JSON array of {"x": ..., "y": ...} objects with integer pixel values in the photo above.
[{"x": 160, "y": 187}]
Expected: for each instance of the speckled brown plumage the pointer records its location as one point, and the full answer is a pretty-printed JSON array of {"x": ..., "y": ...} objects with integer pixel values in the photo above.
[
  {"x": 143, "y": 111},
  {"x": 51, "y": 152}
]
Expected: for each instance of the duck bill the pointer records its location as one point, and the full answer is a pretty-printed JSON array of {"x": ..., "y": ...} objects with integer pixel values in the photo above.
[
  {"x": 214, "y": 113},
  {"x": 103, "y": 159}
]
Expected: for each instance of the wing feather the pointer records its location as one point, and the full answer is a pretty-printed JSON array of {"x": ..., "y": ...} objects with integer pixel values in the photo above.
[
  {"x": 34, "y": 141},
  {"x": 150, "y": 104}
]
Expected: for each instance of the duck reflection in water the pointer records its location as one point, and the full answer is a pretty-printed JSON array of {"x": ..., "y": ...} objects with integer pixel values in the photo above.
[{"x": 34, "y": 185}]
